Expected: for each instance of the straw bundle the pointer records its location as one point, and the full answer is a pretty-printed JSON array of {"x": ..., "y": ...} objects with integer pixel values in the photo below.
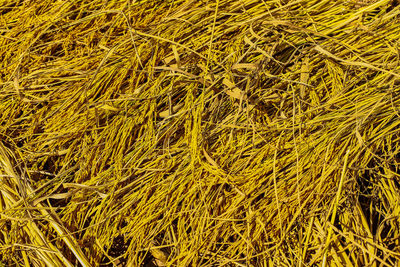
[{"x": 199, "y": 133}]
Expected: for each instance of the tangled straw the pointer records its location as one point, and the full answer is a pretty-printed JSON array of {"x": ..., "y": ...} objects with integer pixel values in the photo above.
[{"x": 204, "y": 133}]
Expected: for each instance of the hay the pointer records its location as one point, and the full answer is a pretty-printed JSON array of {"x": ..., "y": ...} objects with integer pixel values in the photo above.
[{"x": 199, "y": 133}]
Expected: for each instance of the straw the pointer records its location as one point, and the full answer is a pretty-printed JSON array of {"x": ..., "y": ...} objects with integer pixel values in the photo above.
[{"x": 199, "y": 133}]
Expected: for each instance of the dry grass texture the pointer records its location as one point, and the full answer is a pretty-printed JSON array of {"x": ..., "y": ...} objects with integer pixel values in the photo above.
[{"x": 199, "y": 133}]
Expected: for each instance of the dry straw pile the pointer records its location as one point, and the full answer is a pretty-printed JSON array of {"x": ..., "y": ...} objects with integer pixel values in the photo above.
[{"x": 199, "y": 133}]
